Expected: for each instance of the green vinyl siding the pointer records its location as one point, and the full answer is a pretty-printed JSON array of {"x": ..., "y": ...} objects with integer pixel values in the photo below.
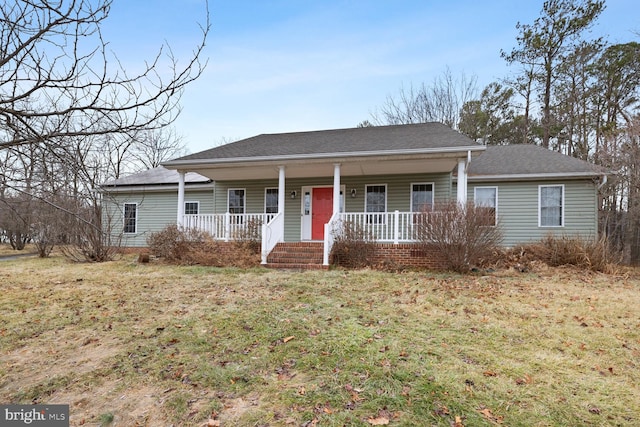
[
  {"x": 518, "y": 209},
  {"x": 398, "y": 194},
  {"x": 156, "y": 210}
]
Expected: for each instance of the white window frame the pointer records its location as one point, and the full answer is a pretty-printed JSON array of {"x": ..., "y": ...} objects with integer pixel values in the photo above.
[
  {"x": 244, "y": 197},
  {"x": 196, "y": 202},
  {"x": 562, "y": 206},
  {"x": 382, "y": 214},
  {"x": 433, "y": 194},
  {"x": 495, "y": 201},
  {"x": 124, "y": 219},
  {"x": 265, "y": 199}
]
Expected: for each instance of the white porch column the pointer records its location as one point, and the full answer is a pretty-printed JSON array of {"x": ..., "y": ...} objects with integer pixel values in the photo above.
[
  {"x": 281, "y": 195},
  {"x": 180, "y": 198},
  {"x": 336, "y": 188},
  {"x": 462, "y": 181}
]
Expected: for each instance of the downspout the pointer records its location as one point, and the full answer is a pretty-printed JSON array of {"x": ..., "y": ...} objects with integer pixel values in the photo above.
[
  {"x": 604, "y": 181},
  {"x": 180, "y": 218},
  {"x": 462, "y": 181},
  {"x": 602, "y": 184}
]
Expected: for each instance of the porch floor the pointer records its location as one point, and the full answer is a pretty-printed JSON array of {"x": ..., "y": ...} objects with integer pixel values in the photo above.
[{"x": 297, "y": 255}]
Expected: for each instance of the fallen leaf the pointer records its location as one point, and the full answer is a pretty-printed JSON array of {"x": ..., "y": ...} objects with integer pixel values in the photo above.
[
  {"x": 594, "y": 409},
  {"x": 213, "y": 423},
  {"x": 441, "y": 410},
  {"x": 287, "y": 339},
  {"x": 458, "y": 422},
  {"x": 380, "y": 421},
  {"x": 487, "y": 413},
  {"x": 524, "y": 380}
]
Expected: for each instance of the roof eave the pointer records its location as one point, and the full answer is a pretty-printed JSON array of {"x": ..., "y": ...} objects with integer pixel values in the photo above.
[
  {"x": 177, "y": 164},
  {"x": 534, "y": 176},
  {"x": 154, "y": 187}
]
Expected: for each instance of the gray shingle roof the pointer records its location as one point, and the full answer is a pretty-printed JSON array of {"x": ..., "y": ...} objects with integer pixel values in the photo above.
[
  {"x": 156, "y": 176},
  {"x": 527, "y": 159},
  {"x": 367, "y": 139}
]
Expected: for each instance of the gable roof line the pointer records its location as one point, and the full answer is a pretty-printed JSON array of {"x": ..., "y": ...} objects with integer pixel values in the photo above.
[
  {"x": 155, "y": 187},
  {"x": 325, "y": 156}
]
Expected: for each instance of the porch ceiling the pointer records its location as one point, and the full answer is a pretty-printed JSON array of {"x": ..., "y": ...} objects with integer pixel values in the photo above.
[{"x": 348, "y": 167}]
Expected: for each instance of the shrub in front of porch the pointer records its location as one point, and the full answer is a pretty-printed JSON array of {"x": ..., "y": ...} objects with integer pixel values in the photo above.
[
  {"x": 463, "y": 234},
  {"x": 353, "y": 247},
  {"x": 193, "y": 247}
]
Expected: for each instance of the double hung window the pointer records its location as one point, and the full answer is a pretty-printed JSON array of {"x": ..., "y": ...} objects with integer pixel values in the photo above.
[
  {"x": 375, "y": 203},
  {"x": 130, "y": 218},
  {"x": 486, "y": 200},
  {"x": 551, "y": 205}
]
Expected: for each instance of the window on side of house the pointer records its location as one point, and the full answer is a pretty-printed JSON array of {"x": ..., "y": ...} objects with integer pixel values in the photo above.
[
  {"x": 486, "y": 198},
  {"x": 375, "y": 201},
  {"x": 551, "y": 205},
  {"x": 421, "y": 197},
  {"x": 236, "y": 201},
  {"x": 191, "y": 208},
  {"x": 271, "y": 200},
  {"x": 130, "y": 218}
]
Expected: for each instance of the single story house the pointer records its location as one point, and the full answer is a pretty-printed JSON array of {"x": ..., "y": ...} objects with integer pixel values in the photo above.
[{"x": 298, "y": 186}]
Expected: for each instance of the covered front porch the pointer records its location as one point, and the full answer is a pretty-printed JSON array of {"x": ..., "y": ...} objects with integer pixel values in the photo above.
[
  {"x": 311, "y": 207},
  {"x": 384, "y": 227}
]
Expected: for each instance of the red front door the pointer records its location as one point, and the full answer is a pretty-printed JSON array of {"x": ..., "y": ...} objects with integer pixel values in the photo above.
[{"x": 321, "y": 210}]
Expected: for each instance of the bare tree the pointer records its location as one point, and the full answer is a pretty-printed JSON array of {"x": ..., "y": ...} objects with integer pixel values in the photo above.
[
  {"x": 58, "y": 80},
  {"x": 69, "y": 111},
  {"x": 156, "y": 146},
  {"x": 441, "y": 102}
]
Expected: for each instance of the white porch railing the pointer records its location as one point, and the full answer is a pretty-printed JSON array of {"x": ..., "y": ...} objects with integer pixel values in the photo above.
[
  {"x": 330, "y": 229},
  {"x": 228, "y": 226},
  {"x": 392, "y": 227},
  {"x": 389, "y": 227},
  {"x": 272, "y": 233}
]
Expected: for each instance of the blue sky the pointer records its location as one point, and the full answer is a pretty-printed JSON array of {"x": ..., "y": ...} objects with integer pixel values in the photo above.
[{"x": 299, "y": 65}]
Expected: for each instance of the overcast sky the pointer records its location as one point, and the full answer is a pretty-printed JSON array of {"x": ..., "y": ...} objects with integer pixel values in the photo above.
[{"x": 300, "y": 65}]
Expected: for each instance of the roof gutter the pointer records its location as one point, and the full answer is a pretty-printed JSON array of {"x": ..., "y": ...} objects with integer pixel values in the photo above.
[
  {"x": 321, "y": 156},
  {"x": 532, "y": 176},
  {"x": 149, "y": 187}
]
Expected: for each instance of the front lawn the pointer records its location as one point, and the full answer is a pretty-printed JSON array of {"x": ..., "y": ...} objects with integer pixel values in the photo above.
[{"x": 149, "y": 344}]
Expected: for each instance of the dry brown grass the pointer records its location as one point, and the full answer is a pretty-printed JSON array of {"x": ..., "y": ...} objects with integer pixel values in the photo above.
[
  {"x": 5, "y": 250},
  {"x": 156, "y": 345},
  {"x": 560, "y": 251}
]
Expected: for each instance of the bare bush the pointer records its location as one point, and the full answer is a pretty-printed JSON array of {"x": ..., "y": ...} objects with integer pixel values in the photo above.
[
  {"x": 353, "y": 247},
  {"x": 174, "y": 243},
  {"x": 190, "y": 246},
  {"x": 215, "y": 253},
  {"x": 15, "y": 219},
  {"x": 91, "y": 239},
  {"x": 463, "y": 234},
  {"x": 589, "y": 254},
  {"x": 249, "y": 235}
]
